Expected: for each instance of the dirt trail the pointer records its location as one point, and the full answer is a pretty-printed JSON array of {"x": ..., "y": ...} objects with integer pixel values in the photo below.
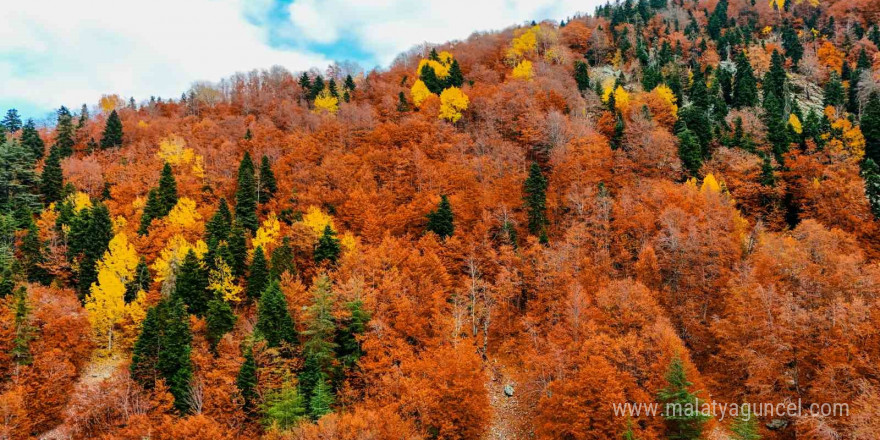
[
  {"x": 97, "y": 370},
  {"x": 506, "y": 417}
]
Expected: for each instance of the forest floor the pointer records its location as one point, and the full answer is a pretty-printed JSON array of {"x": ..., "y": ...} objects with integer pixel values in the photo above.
[{"x": 506, "y": 414}]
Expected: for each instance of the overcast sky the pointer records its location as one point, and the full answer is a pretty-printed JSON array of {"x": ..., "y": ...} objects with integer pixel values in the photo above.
[{"x": 56, "y": 52}]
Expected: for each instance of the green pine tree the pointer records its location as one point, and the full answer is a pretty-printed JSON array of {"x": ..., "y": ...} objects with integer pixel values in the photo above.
[
  {"x": 32, "y": 256},
  {"x": 689, "y": 151},
  {"x": 321, "y": 400},
  {"x": 871, "y": 175},
  {"x": 173, "y": 361},
  {"x": 145, "y": 354},
  {"x": 792, "y": 44},
  {"x": 191, "y": 286},
  {"x": 745, "y": 89},
  {"x": 429, "y": 77},
  {"x": 12, "y": 121},
  {"x": 246, "y": 195},
  {"x": 870, "y": 125},
  {"x": 440, "y": 220},
  {"x": 282, "y": 260},
  {"x": 745, "y": 425},
  {"x": 219, "y": 320},
  {"x": 258, "y": 278},
  {"x": 582, "y": 76},
  {"x": 152, "y": 210},
  {"x": 140, "y": 282},
  {"x": 238, "y": 250},
  {"x": 774, "y": 79},
  {"x": 219, "y": 226},
  {"x": 350, "y": 327},
  {"x": 30, "y": 139},
  {"x": 267, "y": 184},
  {"x": 112, "y": 132},
  {"x": 64, "y": 133},
  {"x": 24, "y": 332},
  {"x": 246, "y": 381},
  {"x": 681, "y": 406},
  {"x": 833, "y": 93},
  {"x": 167, "y": 190},
  {"x": 328, "y": 248},
  {"x": 284, "y": 409},
  {"x": 52, "y": 179},
  {"x": 274, "y": 323},
  {"x": 455, "y": 78},
  {"x": 535, "y": 190}
]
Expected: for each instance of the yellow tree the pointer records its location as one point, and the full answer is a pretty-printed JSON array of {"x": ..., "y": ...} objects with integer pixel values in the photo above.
[
  {"x": 420, "y": 93},
  {"x": 452, "y": 102},
  {"x": 222, "y": 282},
  {"x": 523, "y": 70},
  {"x": 184, "y": 214},
  {"x": 105, "y": 303},
  {"x": 268, "y": 233},
  {"x": 325, "y": 102}
]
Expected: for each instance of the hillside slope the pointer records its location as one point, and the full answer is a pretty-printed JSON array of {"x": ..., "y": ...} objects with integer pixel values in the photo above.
[{"x": 493, "y": 238}]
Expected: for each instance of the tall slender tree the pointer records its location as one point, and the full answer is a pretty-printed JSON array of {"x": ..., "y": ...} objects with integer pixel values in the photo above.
[
  {"x": 246, "y": 195},
  {"x": 112, "y": 132}
]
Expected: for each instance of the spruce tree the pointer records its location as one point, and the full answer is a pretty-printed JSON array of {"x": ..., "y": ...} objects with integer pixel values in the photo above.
[
  {"x": 52, "y": 179},
  {"x": 353, "y": 324},
  {"x": 219, "y": 226},
  {"x": 268, "y": 186},
  {"x": 219, "y": 320},
  {"x": 258, "y": 278},
  {"x": 152, "y": 210},
  {"x": 681, "y": 406},
  {"x": 871, "y": 175},
  {"x": 30, "y": 139},
  {"x": 112, "y": 132},
  {"x": 246, "y": 381},
  {"x": 429, "y": 77},
  {"x": 833, "y": 93},
  {"x": 274, "y": 324},
  {"x": 535, "y": 190},
  {"x": 284, "y": 409},
  {"x": 745, "y": 89},
  {"x": 145, "y": 354},
  {"x": 582, "y": 76},
  {"x": 774, "y": 79},
  {"x": 167, "y": 190},
  {"x": 349, "y": 83},
  {"x": 305, "y": 83},
  {"x": 455, "y": 77},
  {"x": 870, "y": 125},
  {"x": 246, "y": 195},
  {"x": 745, "y": 425},
  {"x": 83, "y": 117},
  {"x": 699, "y": 93},
  {"x": 192, "y": 285},
  {"x": 24, "y": 333},
  {"x": 282, "y": 260},
  {"x": 319, "y": 346},
  {"x": 32, "y": 256},
  {"x": 64, "y": 133},
  {"x": 174, "y": 362},
  {"x": 317, "y": 88},
  {"x": 321, "y": 400},
  {"x": 689, "y": 151},
  {"x": 12, "y": 121},
  {"x": 237, "y": 251},
  {"x": 792, "y": 44},
  {"x": 440, "y": 220},
  {"x": 328, "y": 248}
]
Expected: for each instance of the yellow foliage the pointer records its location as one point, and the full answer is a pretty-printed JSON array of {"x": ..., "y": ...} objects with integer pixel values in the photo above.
[
  {"x": 525, "y": 43},
  {"x": 440, "y": 69},
  {"x": 621, "y": 98},
  {"x": 142, "y": 124},
  {"x": 851, "y": 139},
  {"x": 267, "y": 233},
  {"x": 326, "y": 102},
  {"x": 710, "y": 184},
  {"x": 80, "y": 201},
  {"x": 555, "y": 55},
  {"x": 108, "y": 103},
  {"x": 523, "y": 70},
  {"x": 222, "y": 282},
  {"x": 664, "y": 92},
  {"x": 184, "y": 214},
  {"x": 132, "y": 317},
  {"x": 173, "y": 253},
  {"x": 420, "y": 92},
  {"x": 445, "y": 58},
  {"x": 317, "y": 220},
  {"x": 105, "y": 303},
  {"x": 173, "y": 150},
  {"x": 348, "y": 241},
  {"x": 119, "y": 223},
  {"x": 452, "y": 102},
  {"x": 795, "y": 123},
  {"x": 691, "y": 182}
]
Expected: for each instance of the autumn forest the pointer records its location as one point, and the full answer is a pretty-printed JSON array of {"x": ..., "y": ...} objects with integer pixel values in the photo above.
[{"x": 664, "y": 201}]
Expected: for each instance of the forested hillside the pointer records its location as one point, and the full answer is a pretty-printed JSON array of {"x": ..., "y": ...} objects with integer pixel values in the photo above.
[{"x": 496, "y": 238}]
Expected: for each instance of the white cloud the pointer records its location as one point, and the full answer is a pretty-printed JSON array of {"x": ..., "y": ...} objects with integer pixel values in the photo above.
[
  {"x": 63, "y": 52},
  {"x": 387, "y": 27}
]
